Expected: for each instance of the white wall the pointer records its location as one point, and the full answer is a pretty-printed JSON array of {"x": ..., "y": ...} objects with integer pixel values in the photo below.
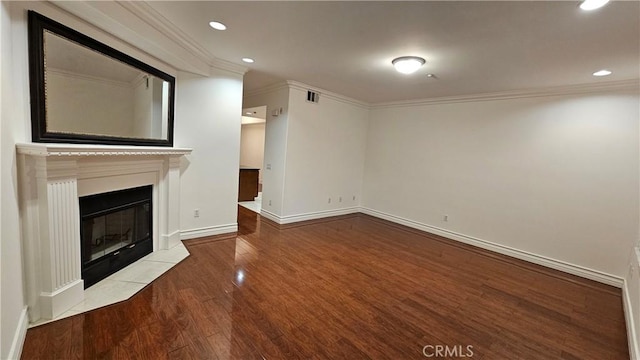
[
  {"x": 208, "y": 111},
  {"x": 142, "y": 112},
  {"x": 552, "y": 176},
  {"x": 316, "y": 152},
  {"x": 12, "y": 129},
  {"x": 326, "y": 145},
  {"x": 81, "y": 104},
  {"x": 275, "y": 149},
  {"x": 252, "y": 146}
]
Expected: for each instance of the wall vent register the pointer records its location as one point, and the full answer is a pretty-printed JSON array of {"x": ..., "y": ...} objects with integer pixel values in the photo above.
[{"x": 313, "y": 96}]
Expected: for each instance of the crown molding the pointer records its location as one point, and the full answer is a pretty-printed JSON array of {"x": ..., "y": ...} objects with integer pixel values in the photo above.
[
  {"x": 633, "y": 84},
  {"x": 267, "y": 89},
  {"x": 623, "y": 85},
  {"x": 326, "y": 93},
  {"x": 291, "y": 84},
  {"x": 123, "y": 37},
  {"x": 220, "y": 64},
  {"x": 157, "y": 21}
]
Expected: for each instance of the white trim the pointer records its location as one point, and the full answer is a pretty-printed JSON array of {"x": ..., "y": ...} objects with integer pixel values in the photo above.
[
  {"x": 15, "y": 352},
  {"x": 288, "y": 219},
  {"x": 291, "y": 84},
  {"x": 228, "y": 66},
  {"x": 208, "y": 231},
  {"x": 632, "y": 337},
  {"x": 56, "y": 302},
  {"x": 160, "y": 23},
  {"x": 104, "y": 26},
  {"x": 505, "y": 250},
  {"x": 269, "y": 215},
  {"x": 266, "y": 89},
  {"x": 329, "y": 94},
  {"x": 517, "y": 94},
  {"x": 170, "y": 240},
  {"x": 42, "y": 149}
]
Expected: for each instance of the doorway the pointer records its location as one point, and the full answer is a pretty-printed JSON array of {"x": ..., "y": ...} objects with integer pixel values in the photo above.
[{"x": 252, "y": 137}]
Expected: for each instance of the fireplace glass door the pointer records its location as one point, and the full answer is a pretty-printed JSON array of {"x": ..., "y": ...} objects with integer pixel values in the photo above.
[
  {"x": 108, "y": 233},
  {"x": 116, "y": 230}
]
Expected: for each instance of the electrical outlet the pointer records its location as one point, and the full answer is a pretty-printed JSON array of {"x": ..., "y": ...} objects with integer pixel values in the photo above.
[
  {"x": 329, "y": 202},
  {"x": 196, "y": 213},
  {"x": 269, "y": 202},
  {"x": 340, "y": 199},
  {"x": 354, "y": 198},
  {"x": 445, "y": 218},
  {"x": 268, "y": 166}
]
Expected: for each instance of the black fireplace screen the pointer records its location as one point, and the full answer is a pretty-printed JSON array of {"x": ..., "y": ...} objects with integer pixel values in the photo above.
[
  {"x": 108, "y": 233},
  {"x": 116, "y": 230}
]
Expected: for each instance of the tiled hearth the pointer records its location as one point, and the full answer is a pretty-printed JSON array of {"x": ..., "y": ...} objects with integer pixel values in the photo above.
[{"x": 127, "y": 282}]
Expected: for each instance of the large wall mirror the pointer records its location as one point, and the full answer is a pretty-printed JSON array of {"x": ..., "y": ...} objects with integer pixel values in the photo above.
[{"x": 83, "y": 91}]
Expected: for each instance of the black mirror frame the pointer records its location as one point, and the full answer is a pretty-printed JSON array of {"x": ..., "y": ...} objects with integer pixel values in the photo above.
[{"x": 37, "y": 24}]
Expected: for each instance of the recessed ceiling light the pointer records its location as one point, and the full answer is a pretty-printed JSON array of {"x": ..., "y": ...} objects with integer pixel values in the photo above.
[
  {"x": 248, "y": 113},
  {"x": 602, "y": 73},
  {"x": 248, "y": 60},
  {"x": 592, "y": 4},
  {"x": 218, "y": 25},
  {"x": 407, "y": 64}
]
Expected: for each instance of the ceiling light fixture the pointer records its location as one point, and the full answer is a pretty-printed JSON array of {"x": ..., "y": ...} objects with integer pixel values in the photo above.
[
  {"x": 602, "y": 73},
  {"x": 407, "y": 64},
  {"x": 248, "y": 60},
  {"x": 589, "y": 5},
  {"x": 218, "y": 25}
]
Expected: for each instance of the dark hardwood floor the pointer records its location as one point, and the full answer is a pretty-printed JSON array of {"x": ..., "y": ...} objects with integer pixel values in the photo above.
[{"x": 352, "y": 288}]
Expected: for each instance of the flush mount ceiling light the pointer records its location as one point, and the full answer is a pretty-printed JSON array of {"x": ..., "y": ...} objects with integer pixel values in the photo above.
[
  {"x": 592, "y": 4},
  {"x": 602, "y": 73},
  {"x": 408, "y": 64},
  {"x": 248, "y": 60},
  {"x": 218, "y": 25}
]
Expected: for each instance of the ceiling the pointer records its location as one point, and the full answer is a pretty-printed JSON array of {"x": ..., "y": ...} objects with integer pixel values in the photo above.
[{"x": 471, "y": 47}]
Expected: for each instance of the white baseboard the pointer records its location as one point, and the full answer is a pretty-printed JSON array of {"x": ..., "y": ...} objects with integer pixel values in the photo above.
[
  {"x": 53, "y": 304},
  {"x": 632, "y": 334},
  {"x": 20, "y": 335},
  {"x": 208, "y": 231},
  {"x": 502, "y": 249},
  {"x": 170, "y": 240},
  {"x": 269, "y": 215},
  {"x": 288, "y": 219}
]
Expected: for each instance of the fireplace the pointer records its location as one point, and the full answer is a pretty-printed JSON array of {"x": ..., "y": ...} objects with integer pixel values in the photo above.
[
  {"x": 115, "y": 231},
  {"x": 53, "y": 177}
]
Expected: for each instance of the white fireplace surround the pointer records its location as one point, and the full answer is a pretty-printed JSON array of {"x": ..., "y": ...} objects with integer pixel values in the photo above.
[{"x": 52, "y": 178}]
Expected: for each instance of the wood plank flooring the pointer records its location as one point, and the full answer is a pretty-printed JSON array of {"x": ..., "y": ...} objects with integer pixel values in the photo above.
[{"x": 355, "y": 287}]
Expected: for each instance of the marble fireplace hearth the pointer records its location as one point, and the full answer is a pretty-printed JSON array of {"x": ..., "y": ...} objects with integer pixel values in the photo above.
[{"x": 52, "y": 178}]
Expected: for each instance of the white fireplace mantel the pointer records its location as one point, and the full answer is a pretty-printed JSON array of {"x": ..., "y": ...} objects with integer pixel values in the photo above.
[
  {"x": 42, "y": 149},
  {"x": 52, "y": 178}
]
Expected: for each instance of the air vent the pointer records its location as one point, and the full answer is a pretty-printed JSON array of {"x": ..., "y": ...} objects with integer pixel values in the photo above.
[{"x": 313, "y": 96}]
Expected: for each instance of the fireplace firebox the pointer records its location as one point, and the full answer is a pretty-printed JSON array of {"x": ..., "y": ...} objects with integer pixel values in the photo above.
[{"x": 115, "y": 231}]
